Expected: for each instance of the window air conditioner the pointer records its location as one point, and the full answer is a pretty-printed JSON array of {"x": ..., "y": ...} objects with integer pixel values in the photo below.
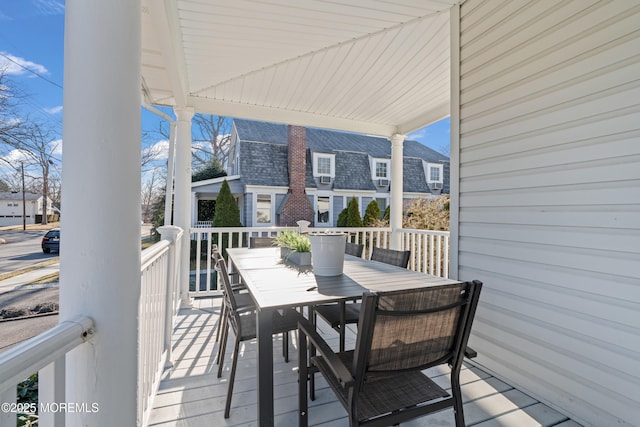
[
  {"x": 383, "y": 182},
  {"x": 435, "y": 185},
  {"x": 325, "y": 180}
]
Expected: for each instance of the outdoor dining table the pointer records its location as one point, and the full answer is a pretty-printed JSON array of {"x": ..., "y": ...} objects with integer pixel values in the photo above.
[{"x": 275, "y": 284}]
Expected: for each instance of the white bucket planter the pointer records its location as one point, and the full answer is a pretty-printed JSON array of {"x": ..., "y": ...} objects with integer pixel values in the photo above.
[{"x": 327, "y": 253}]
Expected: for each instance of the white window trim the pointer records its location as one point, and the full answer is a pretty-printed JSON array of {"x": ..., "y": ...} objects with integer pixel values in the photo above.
[
  {"x": 427, "y": 171},
  {"x": 373, "y": 168},
  {"x": 332, "y": 159},
  {"x": 315, "y": 208},
  {"x": 255, "y": 209}
]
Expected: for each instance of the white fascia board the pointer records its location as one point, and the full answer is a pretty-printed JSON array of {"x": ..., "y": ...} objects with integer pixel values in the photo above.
[
  {"x": 299, "y": 118},
  {"x": 214, "y": 181},
  {"x": 356, "y": 193},
  {"x": 265, "y": 189},
  {"x": 419, "y": 196}
]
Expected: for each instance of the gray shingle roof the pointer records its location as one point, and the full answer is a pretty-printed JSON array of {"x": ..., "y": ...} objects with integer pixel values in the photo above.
[
  {"x": 356, "y": 173},
  {"x": 266, "y": 164},
  {"x": 413, "y": 176}
]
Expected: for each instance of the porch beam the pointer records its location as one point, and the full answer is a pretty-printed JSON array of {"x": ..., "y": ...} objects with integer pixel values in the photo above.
[
  {"x": 182, "y": 197},
  {"x": 101, "y": 180},
  {"x": 397, "y": 153}
]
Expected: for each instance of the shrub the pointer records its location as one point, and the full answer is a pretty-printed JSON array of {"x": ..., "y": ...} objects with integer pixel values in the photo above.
[
  {"x": 353, "y": 214},
  {"x": 342, "y": 218},
  {"x": 372, "y": 214}
]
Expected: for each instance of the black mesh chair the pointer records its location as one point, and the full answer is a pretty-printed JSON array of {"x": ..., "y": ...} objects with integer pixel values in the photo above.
[
  {"x": 391, "y": 256},
  {"x": 341, "y": 314},
  {"x": 243, "y": 299},
  {"x": 354, "y": 249},
  {"x": 400, "y": 334},
  {"x": 243, "y": 324}
]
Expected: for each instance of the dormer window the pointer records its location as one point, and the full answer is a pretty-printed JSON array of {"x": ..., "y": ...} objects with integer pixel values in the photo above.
[
  {"x": 434, "y": 172},
  {"x": 381, "y": 169},
  {"x": 324, "y": 165}
]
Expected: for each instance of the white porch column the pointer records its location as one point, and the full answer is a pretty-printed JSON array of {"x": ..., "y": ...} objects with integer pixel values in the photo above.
[
  {"x": 182, "y": 198},
  {"x": 397, "y": 141},
  {"x": 168, "y": 200},
  {"x": 100, "y": 277}
]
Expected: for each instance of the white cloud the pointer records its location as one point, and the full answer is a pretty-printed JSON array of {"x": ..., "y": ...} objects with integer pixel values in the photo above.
[
  {"x": 417, "y": 134},
  {"x": 56, "y": 147},
  {"x": 159, "y": 150},
  {"x": 12, "y": 159},
  {"x": 49, "y": 7},
  {"x": 14, "y": 65},
  {"x": 54, "y": 110}
]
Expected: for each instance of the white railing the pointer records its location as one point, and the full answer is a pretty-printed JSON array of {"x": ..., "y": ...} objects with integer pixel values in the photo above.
[
  {"x": 159, "y": 303},
  {"x": 429, "y": 249},
  {"x": 45, "y": 354}
]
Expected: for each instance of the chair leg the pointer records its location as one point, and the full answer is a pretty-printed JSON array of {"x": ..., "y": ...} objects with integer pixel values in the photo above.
[
  {"x": 232, "y": 377},
  {"x": 343, "y": 322},
  {"x": 312, "y": 377},
  {"x": 285, "y": 346},
  {"x": 223, "y": 348},
  {"x": 223, "y": 312},
  {"x": 303, "y": 377},
  {"x": 457, "y": 402}
]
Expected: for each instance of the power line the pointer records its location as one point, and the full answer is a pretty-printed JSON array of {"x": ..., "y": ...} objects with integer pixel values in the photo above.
[{"x": 31, "y": 71}]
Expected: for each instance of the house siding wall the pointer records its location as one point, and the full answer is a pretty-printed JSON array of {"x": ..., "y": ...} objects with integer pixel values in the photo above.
[
  {"x": 248, "y": 210},
  {"x": 549, "y": 198}
]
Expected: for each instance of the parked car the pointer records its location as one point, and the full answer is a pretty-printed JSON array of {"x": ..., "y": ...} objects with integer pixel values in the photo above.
[{"x": 51, "y": 241}]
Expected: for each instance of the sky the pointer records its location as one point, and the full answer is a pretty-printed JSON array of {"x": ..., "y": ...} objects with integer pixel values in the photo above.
[{"x": 31, "y": 52}]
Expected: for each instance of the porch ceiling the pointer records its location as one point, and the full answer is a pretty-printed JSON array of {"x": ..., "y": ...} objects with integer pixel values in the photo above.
[{"x": 372, "y": 66}]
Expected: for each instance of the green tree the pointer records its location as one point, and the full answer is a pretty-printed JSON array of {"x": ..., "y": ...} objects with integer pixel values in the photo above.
[
  {"x": 387, "y": 214},
  {"x": 210, "y": 170},
  {"x": 353, "y": 214},
  {"x": 342, "y": 218},
  {"x": 227, "y": 213},
  {"x": 372, "y": 214}
]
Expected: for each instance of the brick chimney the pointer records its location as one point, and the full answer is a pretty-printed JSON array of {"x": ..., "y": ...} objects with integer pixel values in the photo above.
[{"x": 297, "y": 205}]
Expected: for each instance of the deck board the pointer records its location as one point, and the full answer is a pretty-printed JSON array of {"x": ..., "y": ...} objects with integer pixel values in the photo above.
[{"x": 191, "y": 395}]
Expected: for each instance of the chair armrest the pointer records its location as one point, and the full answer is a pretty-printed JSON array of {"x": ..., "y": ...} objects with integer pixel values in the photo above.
[
  {"x": 339, "y": 370},
  {"x": 470, "y": 353}
]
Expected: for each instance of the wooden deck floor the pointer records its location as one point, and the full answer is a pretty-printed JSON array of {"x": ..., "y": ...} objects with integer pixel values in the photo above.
[{"x": 191, "y": 395}]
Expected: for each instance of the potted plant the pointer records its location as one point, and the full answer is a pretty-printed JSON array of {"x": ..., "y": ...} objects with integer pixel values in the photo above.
[{"x": 294, "y": 247}]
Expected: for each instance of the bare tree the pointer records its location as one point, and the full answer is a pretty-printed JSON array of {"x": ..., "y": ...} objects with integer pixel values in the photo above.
[
  {"x": 151, "y": 190},
  {"x": 211, "y": 137},
  {"x": 35, "y": 142}
]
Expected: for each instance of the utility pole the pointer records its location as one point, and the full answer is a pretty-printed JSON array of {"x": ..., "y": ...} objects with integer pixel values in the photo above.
[{"x": 24, "y": 201}]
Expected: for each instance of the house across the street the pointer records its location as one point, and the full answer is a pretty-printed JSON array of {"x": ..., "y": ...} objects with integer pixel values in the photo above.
[
  {"x": 280, "y": 174},
  {"x": 11, "y": 208}
]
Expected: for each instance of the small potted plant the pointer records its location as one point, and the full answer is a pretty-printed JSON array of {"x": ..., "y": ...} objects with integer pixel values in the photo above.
[{"x": 294, "y": 247}]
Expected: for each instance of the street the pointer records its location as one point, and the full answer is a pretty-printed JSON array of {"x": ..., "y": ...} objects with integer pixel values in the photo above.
[{"x": 22, "y": 249}]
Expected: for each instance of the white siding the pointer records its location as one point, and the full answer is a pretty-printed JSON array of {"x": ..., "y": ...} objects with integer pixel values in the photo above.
[{"x": 549, "y": 198}]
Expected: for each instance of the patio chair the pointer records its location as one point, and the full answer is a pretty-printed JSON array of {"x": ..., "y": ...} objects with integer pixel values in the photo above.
[
  {"x": 243, "y": 300},
  {"x": 354, "y": 249},
  {"x": 400, "y": 334},
  {"x": 391, "y": 256},
  {"x": 341, "y": 314},
  {"x": 243, "y": 324},
  {"x": 261, "y": 242}
]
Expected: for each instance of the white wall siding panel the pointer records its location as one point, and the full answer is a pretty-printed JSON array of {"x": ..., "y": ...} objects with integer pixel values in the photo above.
[{"x": 549, "y": 198}]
